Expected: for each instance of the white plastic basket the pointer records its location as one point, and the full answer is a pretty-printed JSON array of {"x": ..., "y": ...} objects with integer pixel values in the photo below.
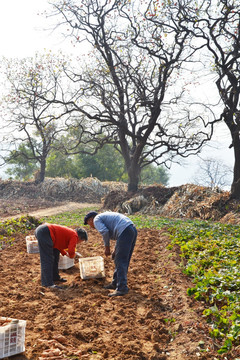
[
  {"x": 32, "y": 244},
  {"x": 12, "y": 337},
  {"x": 91, "y": 267},
  {"x": 65, "y": 262}
]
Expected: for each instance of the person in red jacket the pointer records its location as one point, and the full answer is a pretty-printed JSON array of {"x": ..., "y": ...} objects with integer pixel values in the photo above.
[{"x": 52, "y": 240}]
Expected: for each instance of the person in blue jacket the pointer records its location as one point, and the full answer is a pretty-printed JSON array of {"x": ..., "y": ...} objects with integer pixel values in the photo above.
[{"x": 116, "y": 226}]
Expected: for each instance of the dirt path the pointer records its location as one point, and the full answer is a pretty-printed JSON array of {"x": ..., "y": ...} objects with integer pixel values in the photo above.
[
  {"x": 70, "y": 206},
  {"x": 155, "y": 321}
]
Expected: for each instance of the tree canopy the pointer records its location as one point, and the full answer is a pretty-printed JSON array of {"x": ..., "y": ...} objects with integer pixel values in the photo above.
[
  {"x": 136, "y": 51},
  {"x": 128, "y": 89},
  {"x": 106, "y": 165},
  {"x": 216, "y": 25},
  {"x": 32, "y": 126}
]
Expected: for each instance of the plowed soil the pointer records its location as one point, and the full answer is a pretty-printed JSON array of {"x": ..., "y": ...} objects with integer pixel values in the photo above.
[{"x": 156, "y": 320}]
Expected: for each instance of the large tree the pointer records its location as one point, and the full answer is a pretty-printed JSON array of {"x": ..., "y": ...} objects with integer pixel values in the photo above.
[
  {"x": 136, "y": 53},
  {"x": 31, "y": 126},
  {"x": 216, "y": 24}
]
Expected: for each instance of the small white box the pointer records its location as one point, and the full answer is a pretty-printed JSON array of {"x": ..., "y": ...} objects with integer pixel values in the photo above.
[
  {"x": 91, "y": 267},
  {"x": 65, "y": 262},
  {"x": 12, "y": 337},
  {"x": 32, "y": 244}
]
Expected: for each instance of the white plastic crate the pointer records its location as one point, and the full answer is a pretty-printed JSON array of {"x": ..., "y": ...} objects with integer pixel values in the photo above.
[
  {"x": 12, "y": 337},
  {"x": 32, "y": 244},
  {"x": 65, "y": 262},
  {"x": 91, "y": 267}
]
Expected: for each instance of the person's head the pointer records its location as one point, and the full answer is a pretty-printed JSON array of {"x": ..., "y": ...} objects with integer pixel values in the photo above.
[
  {"x": 82, "y": 234},
  {"x": 88, "y": 219}
]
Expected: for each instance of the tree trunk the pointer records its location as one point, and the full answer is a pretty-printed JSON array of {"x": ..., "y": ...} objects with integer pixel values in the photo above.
[
  {"x": 133, "y": 177},
  {"x": 229, "y": 120},
  {"x": 40, "y": 176},
  {"x": 235, "y": 188}
]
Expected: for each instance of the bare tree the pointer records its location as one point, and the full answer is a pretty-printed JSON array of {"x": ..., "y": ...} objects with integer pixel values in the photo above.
[
  {"x": 28, "y": 119},
  {"x": 213, "y": 173},
  {"x": 217, "y": 25},
  {"x": 123, "y": 90}
]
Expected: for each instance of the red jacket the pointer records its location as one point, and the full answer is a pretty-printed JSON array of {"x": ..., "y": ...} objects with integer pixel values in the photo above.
[{"x": 63, "y": 238}]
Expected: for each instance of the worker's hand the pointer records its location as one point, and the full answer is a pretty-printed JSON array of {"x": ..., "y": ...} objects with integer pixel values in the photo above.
[
  {"x": 107, "y": 250},
  {"x": 67, "y": 254}
]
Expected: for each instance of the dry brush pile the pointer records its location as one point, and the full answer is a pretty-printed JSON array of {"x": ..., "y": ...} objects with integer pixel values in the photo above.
[{"x": 186, "y": 201}]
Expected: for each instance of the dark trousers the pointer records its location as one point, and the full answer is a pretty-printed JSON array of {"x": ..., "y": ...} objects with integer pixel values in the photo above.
[
  {"x": 123, "y": 253},
  {"x": 49, "y": 256}
]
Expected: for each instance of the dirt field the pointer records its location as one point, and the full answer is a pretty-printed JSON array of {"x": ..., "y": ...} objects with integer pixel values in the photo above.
[{"x": 156, "y": 320}]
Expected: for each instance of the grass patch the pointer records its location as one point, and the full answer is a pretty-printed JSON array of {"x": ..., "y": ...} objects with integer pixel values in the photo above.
[
  {"x": 151, "y": 222},
  {"x": 70, "y": 219}
]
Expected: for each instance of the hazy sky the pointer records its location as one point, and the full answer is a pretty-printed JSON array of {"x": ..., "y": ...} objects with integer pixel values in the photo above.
[
  {"x": 22, "y": 34},
  {"x": 18, "y": 24},
  {"x": 25, "y": 29}
]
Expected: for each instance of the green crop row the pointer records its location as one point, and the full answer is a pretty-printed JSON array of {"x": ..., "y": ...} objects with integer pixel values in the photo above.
[
  {"x": 9, "y": 229},
  {"x": 212, "y": 258}
]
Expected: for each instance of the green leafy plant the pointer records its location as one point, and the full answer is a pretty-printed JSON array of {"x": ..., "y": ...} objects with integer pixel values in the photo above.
[
  {"x": 21, "y": 225},
  {"x": 212, "y": 254}
]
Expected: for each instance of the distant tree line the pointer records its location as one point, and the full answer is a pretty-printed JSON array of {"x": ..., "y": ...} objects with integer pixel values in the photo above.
[{"x": 106, "y": 165}]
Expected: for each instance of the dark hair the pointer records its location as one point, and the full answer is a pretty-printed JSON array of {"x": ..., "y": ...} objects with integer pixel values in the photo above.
[
  {"x": 90, "y": 215},
  {"x": 82, "y": 234}
]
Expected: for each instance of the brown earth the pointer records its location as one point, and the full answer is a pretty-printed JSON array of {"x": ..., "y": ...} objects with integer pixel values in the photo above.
[
  {"x": 155, "y": 321},
  {"x": 25, "y": 207}
]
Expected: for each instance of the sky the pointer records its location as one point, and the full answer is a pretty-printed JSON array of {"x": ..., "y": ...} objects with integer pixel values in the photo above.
[{"x": 24, "y": 31}]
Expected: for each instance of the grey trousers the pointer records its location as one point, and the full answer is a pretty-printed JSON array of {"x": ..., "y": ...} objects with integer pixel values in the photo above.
[
  {"x": 123, "y": 252},
  {"x": 49, "y": 256}
]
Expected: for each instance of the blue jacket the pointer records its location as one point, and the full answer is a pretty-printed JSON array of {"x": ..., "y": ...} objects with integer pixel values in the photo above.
[{"x": 110, "y": 225}]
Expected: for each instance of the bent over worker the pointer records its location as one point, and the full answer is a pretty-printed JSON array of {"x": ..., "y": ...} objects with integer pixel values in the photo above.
[
  {"x": 52, "y": 240},
  {"x": 112, "y": 225}
]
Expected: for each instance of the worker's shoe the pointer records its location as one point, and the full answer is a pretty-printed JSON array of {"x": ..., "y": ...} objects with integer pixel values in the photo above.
[
  {"x": 61, "y": 280},
  {"x": 110, "y": 286},
  {"x": 55, "y": 287},
  {"x": 118, "y": 293}
]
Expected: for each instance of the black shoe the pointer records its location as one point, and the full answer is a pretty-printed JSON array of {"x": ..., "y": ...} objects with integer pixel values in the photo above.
[
  {"x": 61, "y": 280},
  {"x": 110, "y": 287},
  {"x": 118, "y": 293}
]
